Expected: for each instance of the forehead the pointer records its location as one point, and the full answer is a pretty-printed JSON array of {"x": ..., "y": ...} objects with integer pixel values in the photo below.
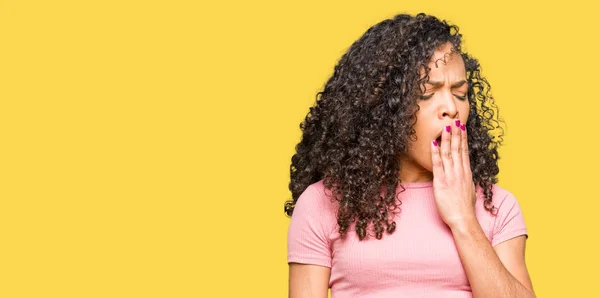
[{"x": 445, "y": 62}]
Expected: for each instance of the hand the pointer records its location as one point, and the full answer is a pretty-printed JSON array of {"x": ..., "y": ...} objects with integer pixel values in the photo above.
[{"x": 453, "y": 185}]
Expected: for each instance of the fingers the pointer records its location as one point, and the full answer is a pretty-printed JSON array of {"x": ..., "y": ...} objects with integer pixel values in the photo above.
[
  {"x": 456, "y": 145},
  {"x": 454, "y": 150},
  {"x": 465, "y": 150},
  {"x": 436, "y": 159},
  {"x": 445, "y": 150}
]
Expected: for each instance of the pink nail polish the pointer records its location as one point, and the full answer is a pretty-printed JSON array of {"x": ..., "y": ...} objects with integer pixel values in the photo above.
[
  {"x": 463, "y": 127},
  {"x": 435, "y": 143},
  {"x": 457, "y": 122},
  {"x": 448, "y": 128}
]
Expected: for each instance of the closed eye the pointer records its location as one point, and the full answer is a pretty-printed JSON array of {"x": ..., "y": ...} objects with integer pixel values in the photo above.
[{"x": 424, "y": 97}]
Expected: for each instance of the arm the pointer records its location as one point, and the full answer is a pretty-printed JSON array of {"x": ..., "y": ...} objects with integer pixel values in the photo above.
[
  {"x": 492, "y": 272},
  {"x": 308, "y": 281},
  {"x": 309, "y": 247}
]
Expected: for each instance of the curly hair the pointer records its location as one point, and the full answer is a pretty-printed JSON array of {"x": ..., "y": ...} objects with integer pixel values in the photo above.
[{"x": 363, "y": 120}]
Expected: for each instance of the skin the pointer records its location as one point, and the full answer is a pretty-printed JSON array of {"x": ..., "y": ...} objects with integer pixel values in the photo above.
[
  {"x": 492, "y": 271},
  {"x": 498, "y": 271},
  {"x": 443, "y": 101}
]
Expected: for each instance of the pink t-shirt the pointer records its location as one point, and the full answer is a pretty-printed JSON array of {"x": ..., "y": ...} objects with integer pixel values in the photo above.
[{"x": 419, "y": 259}]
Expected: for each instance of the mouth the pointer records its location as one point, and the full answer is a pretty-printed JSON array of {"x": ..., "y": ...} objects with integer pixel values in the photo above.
[{"x": 439, "y": 138}]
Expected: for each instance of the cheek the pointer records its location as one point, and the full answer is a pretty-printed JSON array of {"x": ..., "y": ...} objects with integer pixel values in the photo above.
[
  {"x": 421, "y": 155},
  {"x": 426, "y": 154},
  {"x": 465, "y": 112},
  {"x": 425, "y": 158},
  {"x": 421, "y": 151}
]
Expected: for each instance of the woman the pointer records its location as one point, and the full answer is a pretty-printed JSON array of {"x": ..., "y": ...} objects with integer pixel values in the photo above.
[{"x": 393, "y": 184}]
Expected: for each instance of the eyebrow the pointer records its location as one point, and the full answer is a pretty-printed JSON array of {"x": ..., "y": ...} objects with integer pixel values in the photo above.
[{"x": 436, "y": 84}]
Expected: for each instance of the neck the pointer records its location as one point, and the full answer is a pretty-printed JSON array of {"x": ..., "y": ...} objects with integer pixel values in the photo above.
[{"x": 411, "y": 171}]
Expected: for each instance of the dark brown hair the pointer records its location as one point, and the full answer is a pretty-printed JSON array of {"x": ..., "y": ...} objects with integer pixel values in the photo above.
[{"x": 363, "y": 120}]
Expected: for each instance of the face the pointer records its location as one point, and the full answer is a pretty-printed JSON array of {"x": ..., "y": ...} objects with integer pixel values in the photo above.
[{"x": 443, "y": 101}]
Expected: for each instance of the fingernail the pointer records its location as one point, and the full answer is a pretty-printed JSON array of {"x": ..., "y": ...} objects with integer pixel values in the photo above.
[
  {"x": 463, "y": 127},
  {"x": 457, "y": 122},
  {"x": 448, "y": 128},
  {"x": 434, "y": 143}
]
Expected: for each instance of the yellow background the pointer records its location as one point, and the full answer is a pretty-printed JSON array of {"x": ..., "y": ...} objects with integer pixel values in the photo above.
[{"x": 145, "y": 145}]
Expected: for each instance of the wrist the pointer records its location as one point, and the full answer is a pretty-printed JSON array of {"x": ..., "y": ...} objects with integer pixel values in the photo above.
[{"x": 463, "y": 224}]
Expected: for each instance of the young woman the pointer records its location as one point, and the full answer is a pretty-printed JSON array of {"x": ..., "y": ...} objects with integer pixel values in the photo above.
[{"x": 393, "y": 184}]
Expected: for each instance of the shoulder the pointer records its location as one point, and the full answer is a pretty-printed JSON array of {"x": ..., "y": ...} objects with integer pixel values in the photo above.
[
  {"x": 500, "y": 196},
  {"x": 314, "y": 219},
  {"x": 316, "y": 207},
  {"x": 317, "y": 196},
  {"x": 508, "y": 221}
]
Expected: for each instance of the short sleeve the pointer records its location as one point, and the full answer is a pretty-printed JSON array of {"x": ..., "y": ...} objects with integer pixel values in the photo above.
[
  {"x": 310, "y": 229},
  {"x": 509, "y": 222}
]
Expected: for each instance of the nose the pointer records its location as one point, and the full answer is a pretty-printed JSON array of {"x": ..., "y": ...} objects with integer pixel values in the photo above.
[{"x": 448, "y": 107}]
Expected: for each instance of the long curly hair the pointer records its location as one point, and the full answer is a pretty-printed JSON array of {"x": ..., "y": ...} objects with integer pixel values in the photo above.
[{"x": 363, "y": 121}]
